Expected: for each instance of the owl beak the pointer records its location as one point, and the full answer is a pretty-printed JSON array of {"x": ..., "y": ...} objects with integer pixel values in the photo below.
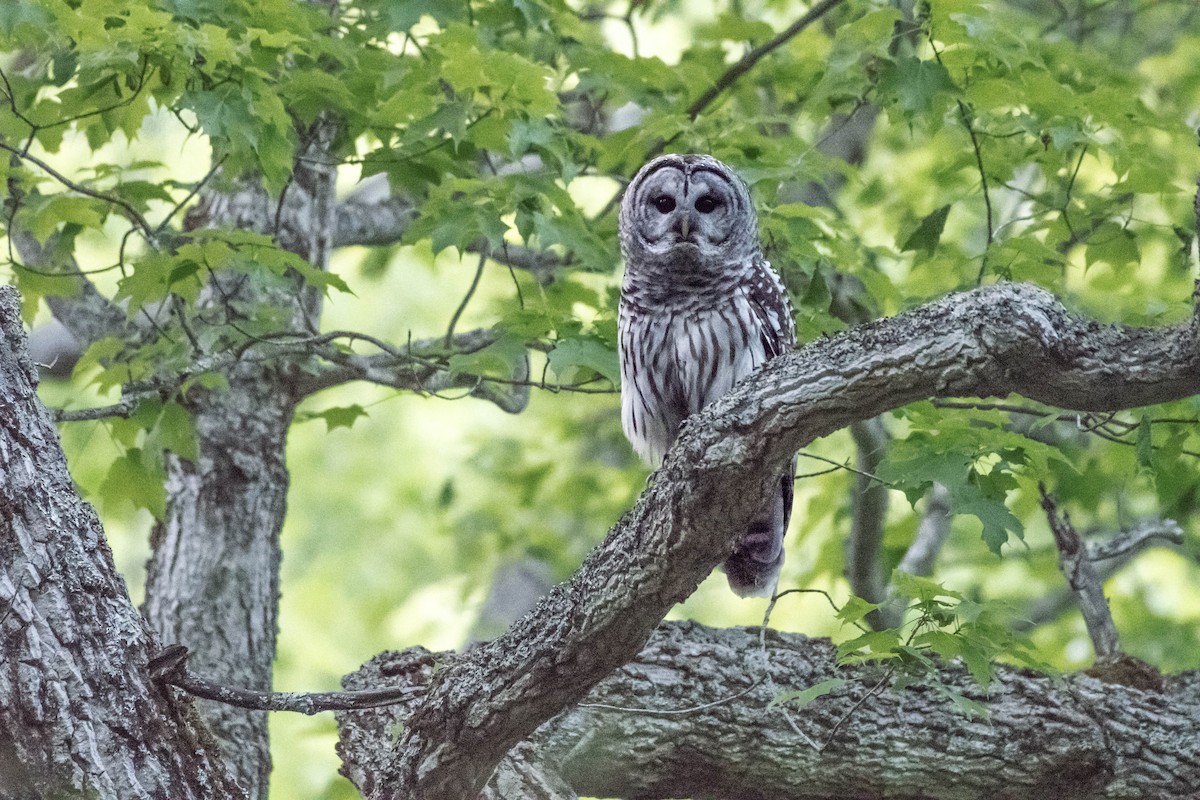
[{"x": 685, "y": 223}]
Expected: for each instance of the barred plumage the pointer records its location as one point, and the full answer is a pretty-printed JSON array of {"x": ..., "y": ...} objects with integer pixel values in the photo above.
[{"x": 700, "y": 310}]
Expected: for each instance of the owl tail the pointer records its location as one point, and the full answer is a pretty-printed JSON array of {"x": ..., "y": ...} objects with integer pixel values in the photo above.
[{"x": 754, "y": 566}]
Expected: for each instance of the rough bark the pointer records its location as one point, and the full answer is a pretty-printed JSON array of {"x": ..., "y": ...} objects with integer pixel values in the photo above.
[
  {"x": 994, "y": 341},
  {"x": 691, "y": 716},
  {"x": 212, "y": 583},
  {"x": 79, "y": 716},
  {"x": 213, "y": 579}
]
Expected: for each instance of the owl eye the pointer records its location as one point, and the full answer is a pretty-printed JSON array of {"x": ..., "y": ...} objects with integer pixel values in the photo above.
[
  {"x": 664, "y": 204},
  {"x": 706, "y": 203}
]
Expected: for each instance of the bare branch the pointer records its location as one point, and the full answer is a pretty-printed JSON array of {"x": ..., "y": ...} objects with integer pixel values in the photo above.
[
  {"x": 132, "y": 213},
  {"x": 124, "y": 408},
  {"x": 1084, "y": 580},
  {"x": 82, "y": 309},
  {"x": 747, "y": 62},
  {"x": 870, "y": 501},
  {"x": 372, "y": 216},
  {"x": 994, "y": 341},
  {"x": 931, "y": 533},
  {"x": 1109, "y": 557},
  {"x": 922, "y": 552},
  {"x": 466, "y": 299},
  {"x": 420, "y": 366},
  {"x": 1135, "y": 538},
  {"x": 170, "y": 666}
]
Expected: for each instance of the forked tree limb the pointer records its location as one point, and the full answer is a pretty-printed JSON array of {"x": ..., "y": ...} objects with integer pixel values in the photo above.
[
  {"x": 992, "y": 341},
  {"x": 1084, "y": 579},
  {"x": 691, "y": 716}
]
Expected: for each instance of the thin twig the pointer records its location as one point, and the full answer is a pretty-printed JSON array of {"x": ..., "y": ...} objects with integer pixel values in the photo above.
[
  {"x": 1066, "y": 206},
  {"x": 747, "y": 62},
  {"x": 170, "y": 666},
  {"x": 181, "y": 313},
  {"x": 816, "y": 474},
  {"x": 965, "y": 114},
  {"x": 195, "y": 190},
  {"x": 987, "y": 197},
  {"x": 870, "y": 693},
  {"x": 847, "y": 467},
  {"x": 823, "y": 593},
  {"x": 466, "y": 299},
  {"x": 134, "y": 215},
  {"x": 1075, "y": 419},
  {"x": 766, "y": 667},
  {"x": 674, "y": 711},
  {"x": 36, "y": 126}
]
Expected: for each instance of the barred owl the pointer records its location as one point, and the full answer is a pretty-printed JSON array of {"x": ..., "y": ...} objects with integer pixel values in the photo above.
[{"x": 700, "y": 310}]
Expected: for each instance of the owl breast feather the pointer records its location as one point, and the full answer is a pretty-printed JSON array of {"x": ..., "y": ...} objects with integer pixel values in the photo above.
[{"x": 677, "y": 359}]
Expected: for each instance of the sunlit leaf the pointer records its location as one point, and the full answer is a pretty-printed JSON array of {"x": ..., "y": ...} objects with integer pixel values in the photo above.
[{"x": 799, "y": 698}]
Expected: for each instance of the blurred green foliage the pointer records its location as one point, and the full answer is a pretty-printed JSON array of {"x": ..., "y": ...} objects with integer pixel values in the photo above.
[{"x": 1026, "y": 140}]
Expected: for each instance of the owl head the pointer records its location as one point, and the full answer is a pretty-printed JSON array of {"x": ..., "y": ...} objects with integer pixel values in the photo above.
[{"x": 687, "y": 213}]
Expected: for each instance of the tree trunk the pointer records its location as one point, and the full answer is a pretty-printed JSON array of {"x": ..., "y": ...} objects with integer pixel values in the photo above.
[
  {"x": 213, "y": 579},
  {"x": 79, "y": 716},
  {"x": 212, "y": 583}
]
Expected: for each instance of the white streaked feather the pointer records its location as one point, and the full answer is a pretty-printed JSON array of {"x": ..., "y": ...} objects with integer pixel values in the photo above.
[{"x": 680, "y": 377}]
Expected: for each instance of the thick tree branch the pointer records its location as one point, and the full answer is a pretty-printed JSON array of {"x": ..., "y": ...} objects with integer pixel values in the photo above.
[
  {"x": 993, "y": 341},
  {"x": 657, "y": 727}
]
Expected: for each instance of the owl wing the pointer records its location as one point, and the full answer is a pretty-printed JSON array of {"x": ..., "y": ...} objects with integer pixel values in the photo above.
[
  {"x": 772, "y": 309},
  {"x": 754, "y": 566}
]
